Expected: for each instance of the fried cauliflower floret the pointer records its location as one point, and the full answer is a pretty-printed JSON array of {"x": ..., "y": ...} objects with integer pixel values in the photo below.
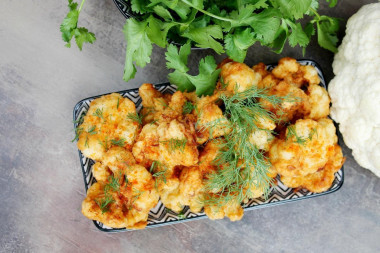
[
  {"x": 319, "y": 101},
  {"x": 310, "y": 74},
  {"x": 153, "y": 102},
  {"x": 146, "y": 149},
  {"x": 128, "y": 206},
  {"x": 101, "y": 172},
  {"x": 211, "y": 121},
  {"x": 261, "y": 68},
  {"x": 236, "y": 74},
  {"x": 107, "y": 122},
  {"x": 286, "y": 66},
  {"x": 175, "y": 107},
  {"x": 233, "y": 210},
  {"x": 308, "y": 146},
  {"x": 191, "y": 188},
  {"x": 168, "y": 186},
  {"x": 295, "y": 104},
  {"x": 322, "y": 179},
  {"x": 177, "y": 144},
  {"x": 118, "y": 158},
  {"x": 262, "y": 137},
  {"x": 268, "y": 82}
]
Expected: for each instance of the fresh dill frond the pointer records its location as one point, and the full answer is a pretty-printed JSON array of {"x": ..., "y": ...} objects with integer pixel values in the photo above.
[
  {"x": 120, "y": 142},
  {"x": 136, "y": 197},
  {"x": 104, "y": 203},
  {"x": 175, "y": 144},
  {"x": 113, "y": 183},
  {"x": 126, "y": 180},
  {"x": 104, "y": 143},
  {"x": 240, "y": 164},
  {"x": 188, "y": 107},
  {"x": 92, "y": 131},
  {"x": 78, "y": 130},
  {"x": 159, "y": 172},
  {"x": 153, "y": 122},
  {"x": 80, "y": 120},
  {"x": 86, "y": 142},
  {"x": 117, "y": 105},
  {"x": 98, "y": 113},
  {"x": 135, "y": 117},
  {"x": 298, "y": 139}
]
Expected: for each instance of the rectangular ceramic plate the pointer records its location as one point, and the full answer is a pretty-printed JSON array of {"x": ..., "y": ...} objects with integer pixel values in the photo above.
[{"x": 159, "y": 215}]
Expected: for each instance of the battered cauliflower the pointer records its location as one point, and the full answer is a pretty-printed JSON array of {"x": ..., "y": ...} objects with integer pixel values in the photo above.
[
  {"x": 107, "y": 124},
  {"x": 308, "y": 147},
  {"x": 236, "y": 74},
  {"x": 125, "y": 203}
]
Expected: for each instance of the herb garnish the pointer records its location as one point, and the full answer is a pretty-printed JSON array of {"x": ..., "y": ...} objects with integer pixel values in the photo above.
[
  {"x": 104, "y": 143},
  {"x": 98, "y": 113},
  {"x": 120, "y": 142},
  {"x": 188, "y": 107},
  {"x": 240, "y": 164},
  {"x": 300, "y": 140},
  {"x": 135, "y": 117},
  {"x": 175, "y": 144},
  {"x": 104, "y": 203}
]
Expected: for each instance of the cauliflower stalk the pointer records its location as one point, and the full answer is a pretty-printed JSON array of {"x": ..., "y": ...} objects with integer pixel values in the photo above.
[{"x": 355, "y": 90}]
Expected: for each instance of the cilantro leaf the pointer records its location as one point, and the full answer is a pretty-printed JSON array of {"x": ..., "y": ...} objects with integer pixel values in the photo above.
[
  {"x": 163, "y": 12},
  {"x": 327, "y": 28},
  {"x": 178, "y": 59},
  {"x": 140, "y": 6},
  {"x": 205, "y": 37},
  {"x": 332, "y": 3},
  {"x": 157, "y": 31},
  {"x": 298, "y": 36},
  {"x": 82, "y": 35},
  {"x": 205, "y": 81},
  {"x": 293, "y": 8},
  {"x": 265, "y": 25},
  {"x": 69, "y": 27},
  {"x": 236, "y": 44},
  {"x": 139, "y": 46}
]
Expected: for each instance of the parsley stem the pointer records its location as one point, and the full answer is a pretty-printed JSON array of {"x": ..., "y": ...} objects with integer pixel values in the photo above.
[
  {"x": 81, "y": 5},
  {"x": 206, "y": 12},
  {"x": 316, "y": 13}
]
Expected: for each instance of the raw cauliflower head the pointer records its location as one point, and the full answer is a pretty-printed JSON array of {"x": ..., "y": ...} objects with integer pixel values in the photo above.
[{"x": 355, "y": 90}]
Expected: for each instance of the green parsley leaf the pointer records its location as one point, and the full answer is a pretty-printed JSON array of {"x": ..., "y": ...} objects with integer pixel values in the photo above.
[
  {"x": 332, "y": 3},
  {"x": 327, "y": 28},
  {"x": 265, "y": 25},
  {"x": 293, "y": 8},
  {"x": 140, "y": 6},
  {"x": 139, "y": 47},
  {"x": 177, "y": 59},
  {"x": 237, "y": 44},
  {"x": 205, "y": 81},
  {"x": 298, "y": 36},
  {"x": 157, "y": 31},
  {"x": 82, "y": 35},
  {"x": 205, "y": 37}
]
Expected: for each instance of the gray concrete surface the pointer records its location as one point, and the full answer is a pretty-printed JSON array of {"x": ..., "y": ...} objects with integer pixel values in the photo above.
[{"x": 40, "y": 177}]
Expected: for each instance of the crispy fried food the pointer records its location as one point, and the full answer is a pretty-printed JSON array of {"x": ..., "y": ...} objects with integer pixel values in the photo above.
[
  {"x": 237, "y": 74},
  {"x": 191, "y": 188},
  {"x": 233, "y": 210},
  {"x": 101, "y": 172},
  {"x": 319, "y": 101},
  {"x": 106, "y": 123},
  {"x": 286, "y": 66},
  {"x": 211, "y": 121},
  {"x": 296, "y": 103},
  {"x": 306, "y": 149},
  {"x": 128, "y": 205},
  {"x": 310, "y": 147},
  {"x": 153, "y": 101},
  {"x": 146, "y": 149},
  {"x": 262, "y": 137},
  {"x": 177, "y": 145},
  {"x": 320, "y": 180}
]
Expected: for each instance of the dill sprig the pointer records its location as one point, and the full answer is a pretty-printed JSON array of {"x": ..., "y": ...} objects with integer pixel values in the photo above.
[
  {"x": 135, "y": 117},
  {"x": 91, "y": 130},
  {"x": 292, "y": 132},
  {"x": 78, "y": 130},
  {"x": 104, "y": 203},
  {"x": 188, "y": 107},
  {"x": 104, "y": 143},
  {"x": 117, "y": 105},
  {"x": 159, "y": 172},
  {"x": 174, "y": 144},
  {"x": 240, "y": 164},
  {"x": 120, "y": 142},
  {"x": 98, "y": 113}
]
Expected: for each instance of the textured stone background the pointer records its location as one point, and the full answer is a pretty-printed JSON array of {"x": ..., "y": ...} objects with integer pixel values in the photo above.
[{"x": 41, "y": 181}]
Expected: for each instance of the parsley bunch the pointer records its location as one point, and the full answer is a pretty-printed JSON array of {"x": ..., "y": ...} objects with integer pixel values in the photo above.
[{"x": 229, "y": 27}]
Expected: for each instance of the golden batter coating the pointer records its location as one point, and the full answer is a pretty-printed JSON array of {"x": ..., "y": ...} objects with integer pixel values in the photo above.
[
  {"x": 126, "y": 206},
  {"x": 107, "y": 124}
]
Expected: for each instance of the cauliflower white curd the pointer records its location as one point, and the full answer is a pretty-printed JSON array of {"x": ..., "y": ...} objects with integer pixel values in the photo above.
[{"x": 355, "y": 90}]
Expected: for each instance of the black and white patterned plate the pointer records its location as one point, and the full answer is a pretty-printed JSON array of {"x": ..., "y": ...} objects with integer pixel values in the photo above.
[{"x": 159, "y": 215}]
